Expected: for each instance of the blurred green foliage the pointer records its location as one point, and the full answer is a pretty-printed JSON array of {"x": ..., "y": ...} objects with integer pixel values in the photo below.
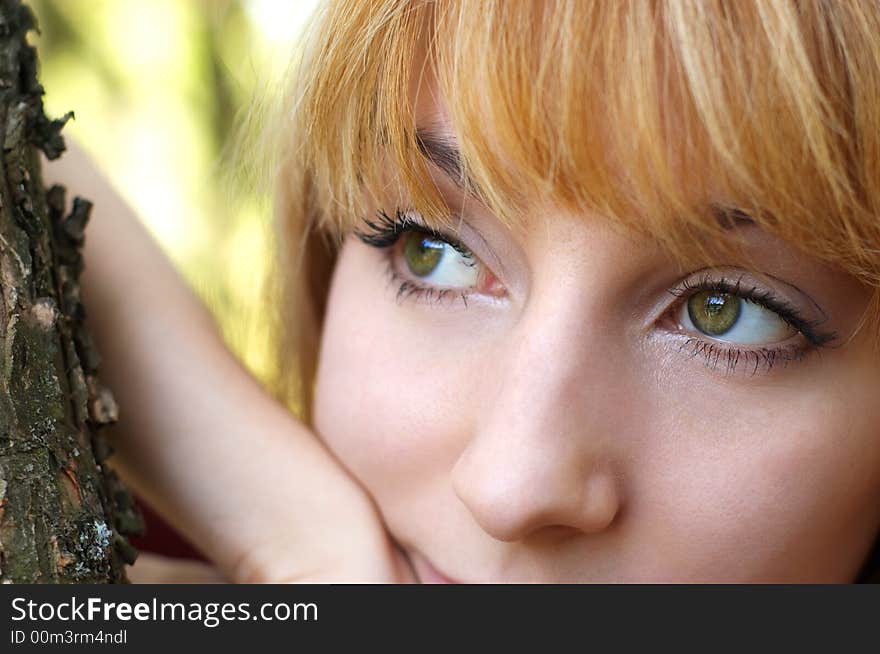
[{"x": 157, "y": 87}]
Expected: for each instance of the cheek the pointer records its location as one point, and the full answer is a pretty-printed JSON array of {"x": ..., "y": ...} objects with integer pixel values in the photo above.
[
  {"x": 390, "y": 400},
  {"x": 773, "y": 485}
]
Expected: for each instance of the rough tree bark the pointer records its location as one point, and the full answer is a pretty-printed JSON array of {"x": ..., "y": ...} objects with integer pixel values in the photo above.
[{"x": 63, "y": 516}]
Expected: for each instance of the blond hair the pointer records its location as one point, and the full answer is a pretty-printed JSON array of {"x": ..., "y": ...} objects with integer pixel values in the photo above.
[{"x": 640, "y": 112}]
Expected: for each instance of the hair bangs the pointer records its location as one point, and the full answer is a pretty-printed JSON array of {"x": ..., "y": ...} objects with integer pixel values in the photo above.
[{"x": 656, "y": 115}]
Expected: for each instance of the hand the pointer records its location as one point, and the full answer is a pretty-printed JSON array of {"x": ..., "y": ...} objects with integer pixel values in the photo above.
[
  {"x": 345, "y": 542},
  {"x": 357, "y": 559}
]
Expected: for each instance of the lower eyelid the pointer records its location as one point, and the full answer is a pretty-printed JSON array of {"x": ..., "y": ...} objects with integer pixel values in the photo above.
[
  {"x": 729, "y": 358},
  {"x": 409, "y": 289}
]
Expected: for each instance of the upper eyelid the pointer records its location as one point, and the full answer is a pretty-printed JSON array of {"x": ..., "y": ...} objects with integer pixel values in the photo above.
[
  {"x": 466, "y": 232},
  {"x": 757, "y": 276},
  {"x": 454, "y": 240},
  {"x": 417, "y": 225},
  {"x": 386, "y": 228}
]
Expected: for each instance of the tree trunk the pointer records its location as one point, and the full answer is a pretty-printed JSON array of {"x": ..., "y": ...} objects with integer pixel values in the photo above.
[{"x": 63, "y": 516}]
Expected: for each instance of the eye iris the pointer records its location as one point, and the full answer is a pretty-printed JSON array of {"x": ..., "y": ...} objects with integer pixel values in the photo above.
[
  {"x": 422, "y": 254},
  {"x": 712, "y": 312}
]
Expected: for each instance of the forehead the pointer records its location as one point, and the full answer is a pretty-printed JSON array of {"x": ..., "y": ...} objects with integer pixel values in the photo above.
[{"x": 429, "y": 106}]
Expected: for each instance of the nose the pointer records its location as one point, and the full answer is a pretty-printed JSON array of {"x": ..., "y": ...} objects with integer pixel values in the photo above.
[{"x": 541, "y": 456}]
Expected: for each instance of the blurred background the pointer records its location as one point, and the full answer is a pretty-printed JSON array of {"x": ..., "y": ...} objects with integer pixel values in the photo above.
[{"x": 158, "y": 88}]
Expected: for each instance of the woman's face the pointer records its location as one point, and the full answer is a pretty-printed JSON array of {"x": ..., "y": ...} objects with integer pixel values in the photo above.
[{"x": 566, "y": 404}]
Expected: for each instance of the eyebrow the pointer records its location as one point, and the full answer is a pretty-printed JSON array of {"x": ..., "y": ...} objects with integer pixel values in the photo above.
[
  {"x": 441, "y": 151},
  {"x": 731, "y": 217}
]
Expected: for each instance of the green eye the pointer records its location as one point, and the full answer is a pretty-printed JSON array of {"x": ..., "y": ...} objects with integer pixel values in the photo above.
[
  {"x": 714, "y": 313},
  {"x": 437, "y": 261},
  {"x": 422, "y": 253}
]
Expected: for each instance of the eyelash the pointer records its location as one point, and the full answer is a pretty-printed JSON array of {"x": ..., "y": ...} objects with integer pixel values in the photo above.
[{"x": 384, "y": 231}]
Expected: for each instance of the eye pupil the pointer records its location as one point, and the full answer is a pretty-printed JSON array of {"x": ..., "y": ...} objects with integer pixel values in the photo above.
[
  {"x": 422, "y": 253},
  {"x": 714, "y": 313}
]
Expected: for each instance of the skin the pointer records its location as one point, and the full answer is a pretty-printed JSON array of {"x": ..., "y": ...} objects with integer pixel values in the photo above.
[{"x": 554, "y": 430}]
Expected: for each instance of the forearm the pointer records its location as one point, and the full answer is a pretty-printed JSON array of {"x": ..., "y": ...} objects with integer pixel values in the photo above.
[{"x": 197, "y": 436}]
